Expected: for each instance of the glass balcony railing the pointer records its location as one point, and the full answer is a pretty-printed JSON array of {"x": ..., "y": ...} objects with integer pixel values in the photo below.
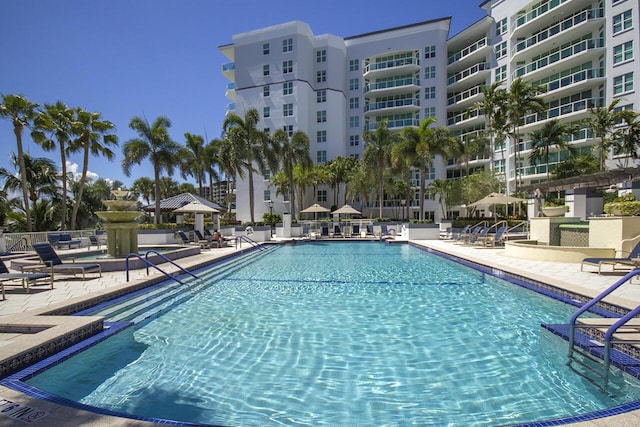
[
  {"x": 468, "y": 72},
  {"x": 373, "y": 106},
  {"x": 564, "y": 109},
  {"x": 231, "y": 86},
  {"x": 461, "y": 96},
  {"x": 391, "y": 84},
  {"x": 559, "y": 55},
  {"x": 392, "y": 63},
  {"x": 456, "y": 56},
  {"x": 562, "y": 26},
  {"x": 465, "y": 115},
  {"x": 580, "y": 76},
  {"x": 398, "y": 123},
  {"x": 543, "y": 8}
]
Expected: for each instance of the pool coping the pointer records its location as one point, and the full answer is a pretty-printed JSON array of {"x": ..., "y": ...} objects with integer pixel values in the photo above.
[{"x": 14, "y": 380}]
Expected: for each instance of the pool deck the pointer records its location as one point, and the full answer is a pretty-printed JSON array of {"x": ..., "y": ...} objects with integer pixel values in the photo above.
[{"x": 20, "y": 305}]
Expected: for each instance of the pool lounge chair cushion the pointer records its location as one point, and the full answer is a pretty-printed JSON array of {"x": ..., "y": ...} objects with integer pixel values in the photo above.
[
  {"x": 21, "y": 279},
  {"x": 51, "y": 261},
  {"x": 632, "y": 260}
]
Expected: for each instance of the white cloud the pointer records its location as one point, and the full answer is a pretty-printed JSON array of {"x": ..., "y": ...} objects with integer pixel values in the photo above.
[{"x": 75, "y": 169}]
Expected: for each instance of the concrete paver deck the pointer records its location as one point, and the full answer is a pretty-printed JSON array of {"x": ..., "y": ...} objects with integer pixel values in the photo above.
[{"x": 18, "y": 304}]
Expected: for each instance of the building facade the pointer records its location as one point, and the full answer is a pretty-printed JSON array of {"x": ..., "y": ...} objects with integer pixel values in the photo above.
[{"x": 583, "y": 52}]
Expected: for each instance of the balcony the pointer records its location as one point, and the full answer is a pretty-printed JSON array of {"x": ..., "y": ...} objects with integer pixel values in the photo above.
[
  {"x": 461, "y": 54},
  {"x": 231, "y": 108},
  {"x": 564, "y": 110},
  {"x": 539, "y": 13},
  {"x": 565, "y": 54},
  {"x": 394, "y": 124},
  {"x": 467, "y": 97},
  {"x": 396, "y": 106},
  {"x": 582, "y": 77},
  {"x": 228, "y": 70},
  {"x": 465, "y": 117},
  {"x": 394, "y": 65},
  {"x": 589, "y": 20},
  {"x": 231, "y": 91},
  {"x": 393, "y": 86},
  {"x": 478, "y": 70}
]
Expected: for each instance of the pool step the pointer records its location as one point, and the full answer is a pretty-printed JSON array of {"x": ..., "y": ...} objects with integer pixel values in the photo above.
[{"x": 151, "y": 302}]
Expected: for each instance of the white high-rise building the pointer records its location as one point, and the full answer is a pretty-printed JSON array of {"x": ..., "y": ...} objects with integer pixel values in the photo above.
[{"x": 584, "y": 52}]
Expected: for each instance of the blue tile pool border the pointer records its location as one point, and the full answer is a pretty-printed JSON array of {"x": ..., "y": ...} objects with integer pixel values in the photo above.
[{"x": 17, "y": 380}]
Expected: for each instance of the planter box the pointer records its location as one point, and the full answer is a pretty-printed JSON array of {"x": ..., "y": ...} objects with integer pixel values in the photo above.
[{"x": 554, "y": 211}]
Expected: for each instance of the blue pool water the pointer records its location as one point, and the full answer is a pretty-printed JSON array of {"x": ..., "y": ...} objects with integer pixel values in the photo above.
[{"x": 339, "y": 334}]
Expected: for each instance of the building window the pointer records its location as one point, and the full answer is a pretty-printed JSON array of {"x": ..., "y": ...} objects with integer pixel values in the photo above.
[
  {"x": 321, "y": 136},
  {"x": 265, "y": 70},
  {"x": 267, "y": 193},
  {"x": 501, "y": 73},
  {"x": 623, "y": 84},
  {"x": 354, "y": 122},
  {"x": 321, "y": 96},
  {"x": 501, "y": 50},
  {"x": 354, "y": 84},
  {"x": 287, "y": 88},
  {"x": 430, "y": 52},
  {"x": 321, "y": 55},
  {"x": 430, "y": 92},
  {"x": 322, "y": 196},
  {"x": 266, "y": 112},
  {"x": 354, "y": 103},
  {"x": 287, "y": 110},
  {"x": 321, "y": 156},
  {"x": 288, "y": 129},
  {"x": 501, "y": 27},
  {"x": 321, "y": 116},
  {"x": 354, "y": 140},
  {"x": 265, "y": 48},
  {"x": 287, "y": 67},
  {"x": 622, "y": 21},
  {"x": 265, "y": 91},
  {"x": 266, "y": 130},
  {"x": 321, "y": 76},
  {"x": 430, "y": 112},
  {"x": 287, "y": 45},
  {"x": 623, "y": 52},
  {"x": 354, "y": 64},
  {"x": 430, "y": 72}
]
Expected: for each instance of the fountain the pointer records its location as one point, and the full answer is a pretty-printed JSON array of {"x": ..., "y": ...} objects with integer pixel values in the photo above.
[{"x": 120, "y": 223}]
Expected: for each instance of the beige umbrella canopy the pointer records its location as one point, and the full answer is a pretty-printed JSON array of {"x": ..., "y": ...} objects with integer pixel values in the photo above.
[
  {"x": 347, "y": 210},
  {"x": 315, "y": 208},
  {"x": 196, "y": 207},
  {"x": 496, "y": 199}
]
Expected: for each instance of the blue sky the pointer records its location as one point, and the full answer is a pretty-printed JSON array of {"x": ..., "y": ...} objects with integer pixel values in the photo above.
[{"x": 124, "y": 58}]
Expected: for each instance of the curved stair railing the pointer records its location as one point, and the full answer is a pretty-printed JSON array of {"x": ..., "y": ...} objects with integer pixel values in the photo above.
[
  {"x": 151, "y": 264},
  {"x": 241, "y": 238}
]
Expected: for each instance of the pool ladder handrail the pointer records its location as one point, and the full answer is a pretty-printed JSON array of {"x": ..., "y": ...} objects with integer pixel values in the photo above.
[
  {"x": 240, "y": 238},
  {"x": 523, "y": 224},
  {"x": 148, "y": 264},
  {"x": 609, "y": 339},
  {"x": 15, "y": 245}
]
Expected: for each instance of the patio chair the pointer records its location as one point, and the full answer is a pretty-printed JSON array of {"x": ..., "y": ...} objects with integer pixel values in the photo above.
[
  {"x": 493, "y": 240},
  {"x": 324, "y": 231},
  {"x": 464, "y": 232},
  {"x": 204, "y": 242},
  {"x": 52, "y": 262},
  {"x": 21, "y": 279},
  {"x": 355, "y": 230},
  {"x": 370, "y": 229},
  {"x": 631, "y": 260},
  {"x": 337, "y": 231},
  {"x": 187, "y": 241},
  {"x": 61, "y": 240},
  {"x": 93, "y": 241}
]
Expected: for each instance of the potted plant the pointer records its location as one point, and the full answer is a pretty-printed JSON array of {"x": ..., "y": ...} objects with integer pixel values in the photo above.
[
  {"x": 623, "y": 206},
  {"x": 554, "y": 207}
]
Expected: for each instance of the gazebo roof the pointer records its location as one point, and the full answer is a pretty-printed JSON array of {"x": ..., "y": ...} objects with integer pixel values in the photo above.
[
  {"x": 172, "y": 203},
  {"x": 593, "y": 181}
]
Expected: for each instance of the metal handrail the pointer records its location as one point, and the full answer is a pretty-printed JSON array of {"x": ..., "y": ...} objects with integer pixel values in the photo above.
[
  {"x": 524, "y": 224},
  {"x": 149, "y": 264},
  {"x": 239, "y": 239},
  {"x": 15, "y": 245},
  {"x": 151, "y": 251}
]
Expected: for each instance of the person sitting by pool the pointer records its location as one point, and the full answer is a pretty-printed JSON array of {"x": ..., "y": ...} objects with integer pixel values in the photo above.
[{"x": 218, "y": 237}]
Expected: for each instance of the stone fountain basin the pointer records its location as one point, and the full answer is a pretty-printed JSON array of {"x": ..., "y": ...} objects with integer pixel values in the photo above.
[
  {"x": 119, "y": 205},
  {"x": 119, "y": 216}
]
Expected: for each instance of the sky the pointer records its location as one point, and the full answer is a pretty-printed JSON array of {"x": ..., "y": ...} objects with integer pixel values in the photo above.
[{"x": 126, "y": 58}]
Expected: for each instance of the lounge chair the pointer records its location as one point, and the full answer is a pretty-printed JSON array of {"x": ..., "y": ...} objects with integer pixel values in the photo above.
[
  {"x": 52, "y": 262},
  {"x": 632, "y": 260},
  {"x": 370, "y": 229},
  {"x": 464, "y": 232},
  {"x": 21, "y": 279},
  {"x": 62, "y": 240},
  {"x": 493, "y": 240},
  {"x": 93, "y": 241},
  {"x": 324, "y": 231},
  {"x": 185, "y": 240},
  {"x": 204, "y": 242},
  {"x": 337, "y": 231},
  {"x": 469, "y": 235},
  {"x": 355, "y": 230}
]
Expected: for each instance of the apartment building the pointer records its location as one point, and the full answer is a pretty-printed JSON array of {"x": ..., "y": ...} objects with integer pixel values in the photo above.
[{"x": 584, "y": 52}]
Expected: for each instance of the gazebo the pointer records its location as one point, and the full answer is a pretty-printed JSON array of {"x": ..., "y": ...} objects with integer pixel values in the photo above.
[{"x": 170, "y": 204}]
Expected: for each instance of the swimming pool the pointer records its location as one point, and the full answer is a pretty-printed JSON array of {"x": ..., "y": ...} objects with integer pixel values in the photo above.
[{"x": 336, "y": 334}]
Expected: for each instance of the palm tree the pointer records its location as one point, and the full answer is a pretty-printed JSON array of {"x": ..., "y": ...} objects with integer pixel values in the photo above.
[
  {"x": 54, "y": 126},
  {"x": 93, "y": 136},
  {"x": 377, "y": 154},
  {"x": 143, "y": 187},
  {"x": 493, "y": 106},
  {"x": 553, "y": 134},
  {"x": 522, "y": 99},
  {"x": 474, "y": 146},
  {"x": 603, "y": 122},
  {"x": 193, "y": 160},
  {"x": 360, "y": 183},
  {"x": 212, "y": 164},
  {"x": 21, "y": 112},
  {"x": 442, "y": 188},
  {"x": 292, "y": 151},
  {"x": 255, "y": 147},
  {"x": 232, "y": 165},
  {"x": 628, "y": 140},
  {"x": 154, "y": 142},
  {"x": 338, "y": 169}
]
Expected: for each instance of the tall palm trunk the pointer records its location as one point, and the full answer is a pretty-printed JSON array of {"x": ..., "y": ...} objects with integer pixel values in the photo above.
[
  {"x": 63, "y": 205},
  {"x": 251, "y": 202},
  {"x": 17, "y": 130},
  {"x": 83, "y": 180},
  {"x": 156, "y": 176}
]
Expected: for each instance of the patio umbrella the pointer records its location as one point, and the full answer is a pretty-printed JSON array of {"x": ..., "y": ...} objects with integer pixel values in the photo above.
[
  {"x": 496, "y": 199},
  {"x": 315, "y": 208},
  {"x": 347, "y": 210},
  {"x": 198, "y": 209}
]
